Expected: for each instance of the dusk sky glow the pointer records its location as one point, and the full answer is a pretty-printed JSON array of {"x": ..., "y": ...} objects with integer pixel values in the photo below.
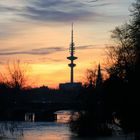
[{"x": 38, "y": 32}]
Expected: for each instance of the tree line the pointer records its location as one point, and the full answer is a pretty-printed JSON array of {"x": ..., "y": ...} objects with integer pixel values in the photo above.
[{"x": 117, "y": 96}]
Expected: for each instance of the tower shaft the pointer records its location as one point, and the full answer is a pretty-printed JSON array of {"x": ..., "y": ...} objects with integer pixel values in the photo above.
[{"x": 72, "y": 75}]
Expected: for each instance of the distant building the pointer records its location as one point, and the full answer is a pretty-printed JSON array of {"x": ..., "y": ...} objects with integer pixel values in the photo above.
[{"x": 71, "y": 85}]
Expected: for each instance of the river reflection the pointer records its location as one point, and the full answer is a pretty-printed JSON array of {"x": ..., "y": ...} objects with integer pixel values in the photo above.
[
  {"x": 46, "y": 131},
  {"x": 57, "y": 130}
]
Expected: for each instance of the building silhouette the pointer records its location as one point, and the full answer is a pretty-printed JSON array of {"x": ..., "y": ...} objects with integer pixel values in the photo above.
[{"x": 99, "y": 80}]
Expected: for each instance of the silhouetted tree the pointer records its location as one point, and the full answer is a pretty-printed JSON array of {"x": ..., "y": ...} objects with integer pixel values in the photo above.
[
  {"x": 90, "y": 78},
  {"x": 125, "y": 59},
  {"x": 119, "y": 94},
  {"x": 16, "y": 75},
  {"x": 135, "y": 30},
  {"x": 122, "y": 56},
  {"x": 135, "y": 36},
  {"x": 93, "y": 120}
]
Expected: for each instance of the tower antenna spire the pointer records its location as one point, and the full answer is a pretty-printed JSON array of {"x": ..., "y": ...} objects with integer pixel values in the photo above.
[{"x": 72, "y": 32}]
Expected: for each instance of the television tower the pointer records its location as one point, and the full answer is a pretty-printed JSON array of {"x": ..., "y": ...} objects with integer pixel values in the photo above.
[{"x": 72, "y": 58}]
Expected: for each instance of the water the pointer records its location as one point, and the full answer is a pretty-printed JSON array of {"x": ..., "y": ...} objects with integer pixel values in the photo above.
[
  {"x": 57, "y": 130},
  {"x": 41, "y": 131},
  {"x": 52, "y": 131},
  {"x": 46, "y": 131}
]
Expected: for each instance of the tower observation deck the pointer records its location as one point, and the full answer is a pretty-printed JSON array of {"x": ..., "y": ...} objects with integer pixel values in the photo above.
[{"x": 72, "y": 58}]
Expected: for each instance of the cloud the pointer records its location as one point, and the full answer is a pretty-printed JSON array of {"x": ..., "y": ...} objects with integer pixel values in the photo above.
[
  {"x": 88, "y": 47},
  {"x": 84, "y": 47},
  {"x": 40, "y": 51},
  {"x": 57, "y": 10},
  {"x": 5, "y": 9},
  {"x": 44, "y": 59},
  {"x": 50, "y": 10},
  {"x": 43, "y": 51},
  {"x": 56, "y": 15},
  {"x": 17, "y": 14},
  {"x": 14, "y": 15}
]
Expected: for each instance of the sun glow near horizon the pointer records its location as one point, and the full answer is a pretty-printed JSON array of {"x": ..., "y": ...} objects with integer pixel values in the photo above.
[
  {"x": 39, "y": 33},
  {"x": 53, "y": 72}
]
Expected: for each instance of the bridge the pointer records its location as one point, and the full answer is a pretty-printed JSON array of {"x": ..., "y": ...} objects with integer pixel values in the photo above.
[{"x": 43, "y": 111}]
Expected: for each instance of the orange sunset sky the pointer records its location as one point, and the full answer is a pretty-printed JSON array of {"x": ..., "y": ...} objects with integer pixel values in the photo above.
[{"x": 38, "y": 32}]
